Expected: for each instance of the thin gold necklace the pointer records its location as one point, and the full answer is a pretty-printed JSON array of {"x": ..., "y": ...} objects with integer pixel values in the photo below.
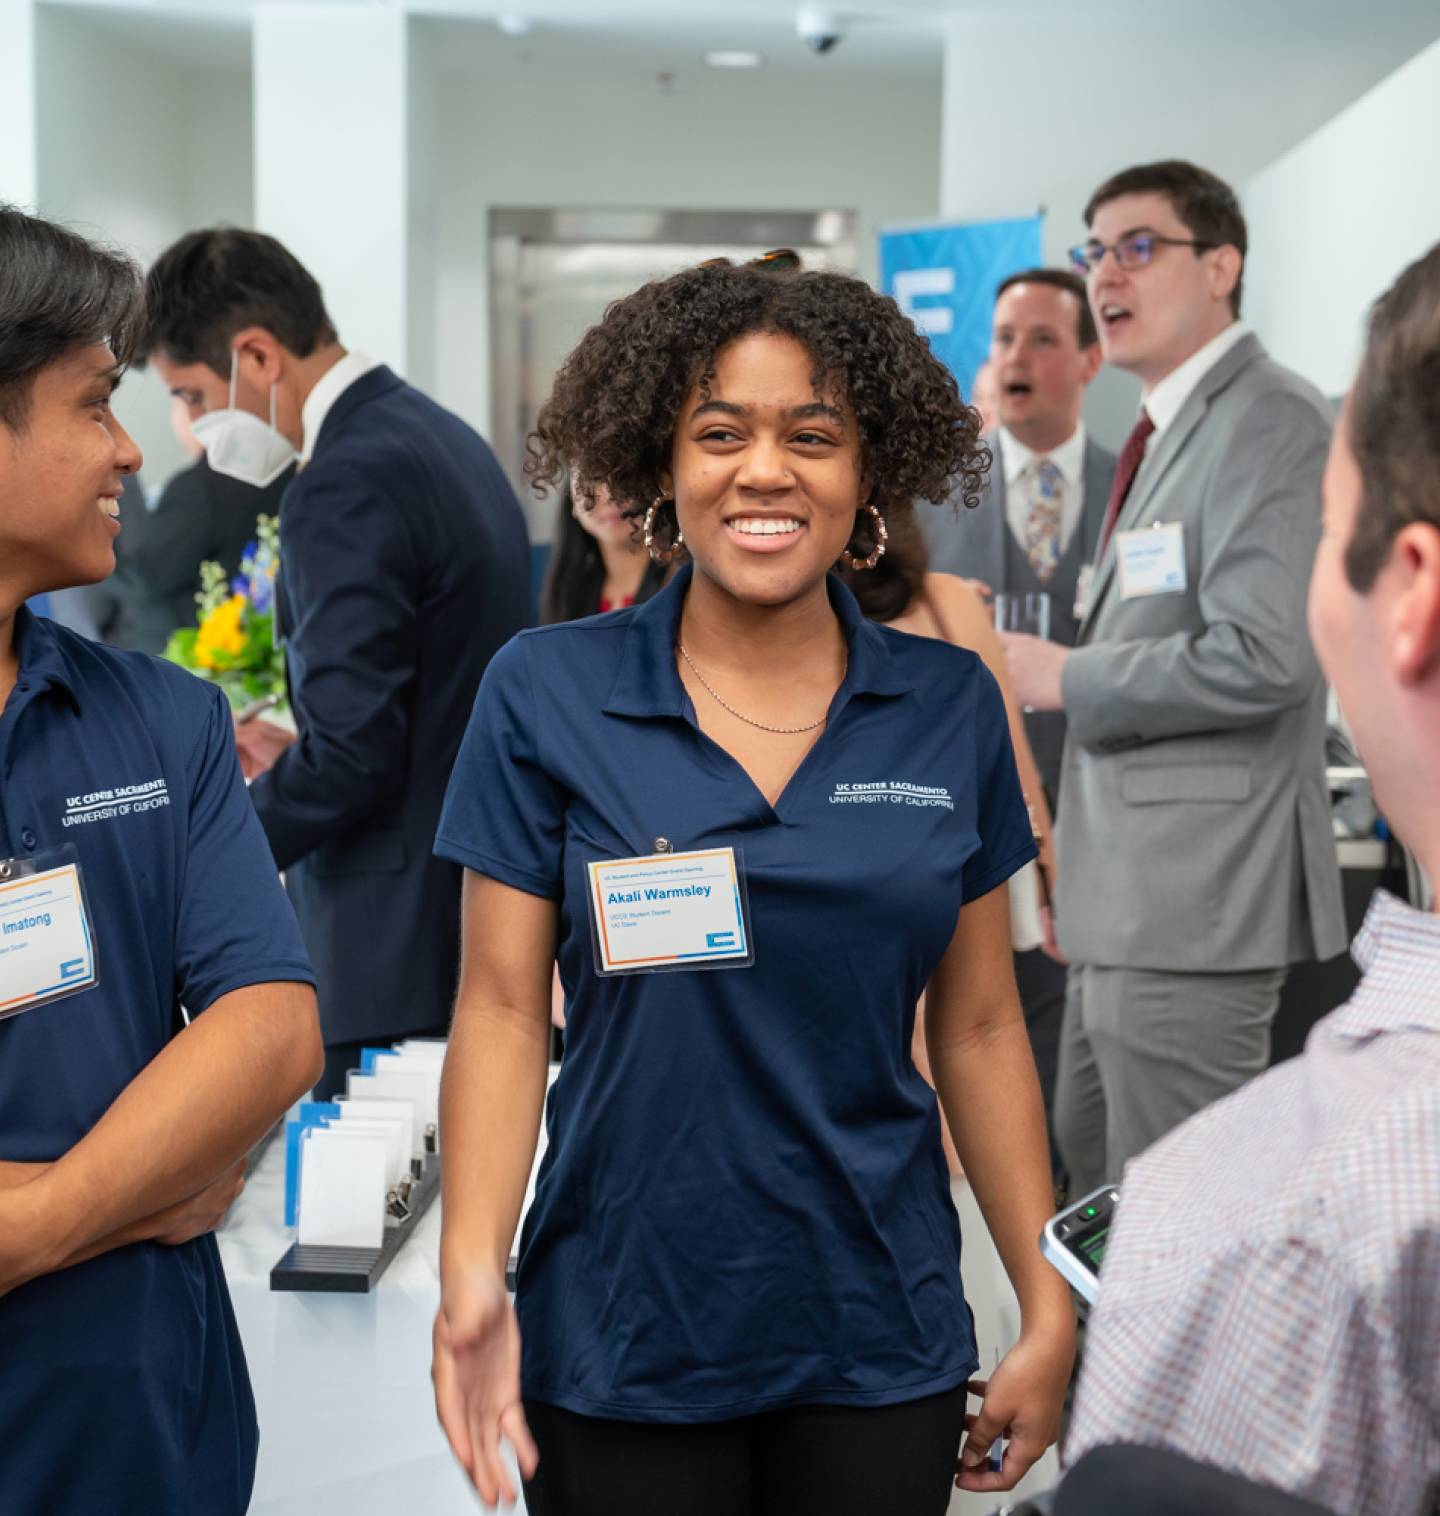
[{"x": 782, "y": 731}]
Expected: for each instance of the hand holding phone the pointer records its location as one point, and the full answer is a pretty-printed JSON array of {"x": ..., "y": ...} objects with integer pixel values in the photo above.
[
  {"x": 1074, "y": 1241},
  {"x": 255, "y": 708}
]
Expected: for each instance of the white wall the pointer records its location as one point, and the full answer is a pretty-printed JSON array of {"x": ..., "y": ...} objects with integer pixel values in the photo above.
[
  {"x": 763, "y": 141},
  {"x": 1336, "y": 219},
  {"x": 113, "y": 163},
  {"x": 221, "y": 148},
  {"x": 332, "y": 159},
  {"x": 17, "y": 102},
  {"x": 424, "y": 173},
  {"x": 1017, "y": 135},
  {"x": 135, "y": 149}
]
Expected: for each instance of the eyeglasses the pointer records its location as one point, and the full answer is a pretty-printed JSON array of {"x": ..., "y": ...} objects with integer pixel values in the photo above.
[
  {"x": 1132, "y": 252},
  {"x": 781, "y": 259}
]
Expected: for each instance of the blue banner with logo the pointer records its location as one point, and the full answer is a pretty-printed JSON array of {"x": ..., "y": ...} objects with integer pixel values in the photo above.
[{"x": 944, "y": 278}]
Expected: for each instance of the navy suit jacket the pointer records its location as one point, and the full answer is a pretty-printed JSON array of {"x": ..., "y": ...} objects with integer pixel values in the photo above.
[{"x": 404, "y": 566}]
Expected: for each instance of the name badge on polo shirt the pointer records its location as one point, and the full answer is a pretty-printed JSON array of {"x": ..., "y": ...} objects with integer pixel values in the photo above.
[
  {"x": 1151, "y": 561},
  {"x": 47, "y": 949},
  {"x": 669, "y": 911}
]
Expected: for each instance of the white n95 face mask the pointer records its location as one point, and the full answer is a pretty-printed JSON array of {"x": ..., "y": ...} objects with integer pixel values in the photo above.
[{"x": 242, "y": 446}]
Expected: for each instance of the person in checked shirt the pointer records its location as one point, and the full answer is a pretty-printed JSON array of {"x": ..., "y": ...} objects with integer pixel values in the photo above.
[{"x": 1270, "y": 1302}]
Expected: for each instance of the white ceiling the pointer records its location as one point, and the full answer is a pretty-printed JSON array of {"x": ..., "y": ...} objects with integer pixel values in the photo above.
[{"x": 648, "y": 37}]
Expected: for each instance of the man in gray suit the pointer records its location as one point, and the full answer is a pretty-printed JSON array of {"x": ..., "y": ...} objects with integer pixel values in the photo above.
[
  {"x": 1039, "y": 522},
  {"x": 1195, "y": 850}
]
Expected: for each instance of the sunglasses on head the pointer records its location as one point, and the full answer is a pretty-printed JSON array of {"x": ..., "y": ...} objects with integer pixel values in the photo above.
[{"x": 781, "y": 259}]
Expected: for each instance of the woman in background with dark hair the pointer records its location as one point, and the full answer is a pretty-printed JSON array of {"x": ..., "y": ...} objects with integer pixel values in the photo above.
[
  {"x": 899, "y": 591},
  {"x": 598, "y": 562}
]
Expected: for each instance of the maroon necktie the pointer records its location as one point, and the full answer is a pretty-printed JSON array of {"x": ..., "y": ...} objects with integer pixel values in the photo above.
[{"x": 1132, "y": 455}]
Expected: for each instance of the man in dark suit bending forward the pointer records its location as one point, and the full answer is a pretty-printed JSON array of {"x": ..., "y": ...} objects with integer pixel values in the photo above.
[{"x": 404, "y": 567}]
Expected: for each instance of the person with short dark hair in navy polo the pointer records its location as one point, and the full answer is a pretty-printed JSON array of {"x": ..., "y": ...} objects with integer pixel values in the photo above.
[
  {"x": 739, "y": 1287},
  {"x": 134, "y": 881}
]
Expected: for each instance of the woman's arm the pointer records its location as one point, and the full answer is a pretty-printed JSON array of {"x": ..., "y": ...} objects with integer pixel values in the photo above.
[
  {"x": 493, "y": 1089},
  {"x": 491, "y": 1098},
  {"x": 968, "y": 621},
  {"x": 985, "y": 1076}
]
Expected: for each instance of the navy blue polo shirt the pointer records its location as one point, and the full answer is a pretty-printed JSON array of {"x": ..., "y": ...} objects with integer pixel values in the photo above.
[
  {"x": 122, "y": 1381},
  {"x": 745, "y": 1203}
]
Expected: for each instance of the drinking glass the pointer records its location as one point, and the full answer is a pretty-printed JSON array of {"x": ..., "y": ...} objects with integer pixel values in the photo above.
[{"x": 1024, "y": 613}]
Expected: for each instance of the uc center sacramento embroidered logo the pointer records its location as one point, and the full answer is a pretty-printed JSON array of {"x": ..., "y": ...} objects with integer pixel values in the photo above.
[
  {"x": 105, "y": 805},
  {"x": 892, "y": 792}
]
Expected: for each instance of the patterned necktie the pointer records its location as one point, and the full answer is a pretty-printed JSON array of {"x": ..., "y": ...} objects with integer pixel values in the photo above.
[
  {"x": 1127, "y": 465},
  {"x": 1042, "y": 526}
]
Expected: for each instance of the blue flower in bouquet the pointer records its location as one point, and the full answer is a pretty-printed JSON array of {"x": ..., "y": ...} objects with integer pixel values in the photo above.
[
  {"x": 262, "y": 594},
  {"x": 258, "y": 565}
]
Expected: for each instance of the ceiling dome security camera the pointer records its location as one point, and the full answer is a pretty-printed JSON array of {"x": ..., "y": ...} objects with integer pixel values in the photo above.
[{"x": 818, "y": 28}]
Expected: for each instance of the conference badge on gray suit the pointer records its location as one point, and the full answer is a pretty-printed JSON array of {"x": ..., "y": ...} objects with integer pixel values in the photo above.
[{"x": 1151, "y": 561}]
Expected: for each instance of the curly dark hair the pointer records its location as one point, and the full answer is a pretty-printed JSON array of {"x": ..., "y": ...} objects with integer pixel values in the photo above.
[{"x": 612, "y": 415}]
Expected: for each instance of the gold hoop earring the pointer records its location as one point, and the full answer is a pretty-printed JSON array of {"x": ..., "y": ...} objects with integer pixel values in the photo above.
[
  {"x": 647, "y": 529},
  {"x": 882, "y": 536}
]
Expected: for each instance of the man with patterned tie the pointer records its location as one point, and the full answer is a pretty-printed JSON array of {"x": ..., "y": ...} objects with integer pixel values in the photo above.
[
  {"x": 1037, "y": 527},
  {"x": 1195, "y": 850}
]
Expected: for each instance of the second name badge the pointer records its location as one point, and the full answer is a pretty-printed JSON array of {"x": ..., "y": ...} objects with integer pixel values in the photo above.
[{"x": 1151, "y": 561}]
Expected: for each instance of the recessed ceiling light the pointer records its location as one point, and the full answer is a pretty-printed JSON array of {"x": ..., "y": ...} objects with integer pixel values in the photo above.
[
  {"x": 733, "y": 60},
  {"x": 514, "y": 25}
]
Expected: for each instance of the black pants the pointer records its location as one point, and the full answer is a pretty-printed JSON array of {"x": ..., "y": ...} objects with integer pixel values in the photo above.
[{"x": 816, "y": 1460}]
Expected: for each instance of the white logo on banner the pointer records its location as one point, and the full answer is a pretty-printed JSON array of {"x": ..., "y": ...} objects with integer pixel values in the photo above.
[{"x": 911, "y": 284}]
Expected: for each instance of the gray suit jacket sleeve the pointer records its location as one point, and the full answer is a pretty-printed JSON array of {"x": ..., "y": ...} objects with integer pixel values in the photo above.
[{"x": 1253, "y": 657}]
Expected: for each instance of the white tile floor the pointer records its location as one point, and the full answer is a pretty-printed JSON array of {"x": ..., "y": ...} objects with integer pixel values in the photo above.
[{"x": 342, "y": 1382}]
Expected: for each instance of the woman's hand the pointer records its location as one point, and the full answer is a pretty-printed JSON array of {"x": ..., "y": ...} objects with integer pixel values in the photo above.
[
  {"x": 1021, "y": 1401},
  {"x": 476, "y": 1371}
]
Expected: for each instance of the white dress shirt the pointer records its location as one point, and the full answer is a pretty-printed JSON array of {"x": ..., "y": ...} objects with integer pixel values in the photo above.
[
  {"x": 328, "y": 389},
  {"x": 1068, "y": 458},
  {"x": 1163, "y": 404}
]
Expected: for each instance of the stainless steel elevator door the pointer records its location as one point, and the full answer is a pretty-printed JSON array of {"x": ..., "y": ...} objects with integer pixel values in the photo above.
[{"x": 552, "y": 274}]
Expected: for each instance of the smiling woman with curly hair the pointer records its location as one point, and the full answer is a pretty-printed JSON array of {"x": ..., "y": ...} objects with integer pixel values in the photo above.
[
  {"x": 739, "y": 1287},
  {"x": 613, "y": 411}
]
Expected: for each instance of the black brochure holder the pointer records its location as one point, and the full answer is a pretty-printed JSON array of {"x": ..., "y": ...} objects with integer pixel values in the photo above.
[{"x": 356, "y": 1271}]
